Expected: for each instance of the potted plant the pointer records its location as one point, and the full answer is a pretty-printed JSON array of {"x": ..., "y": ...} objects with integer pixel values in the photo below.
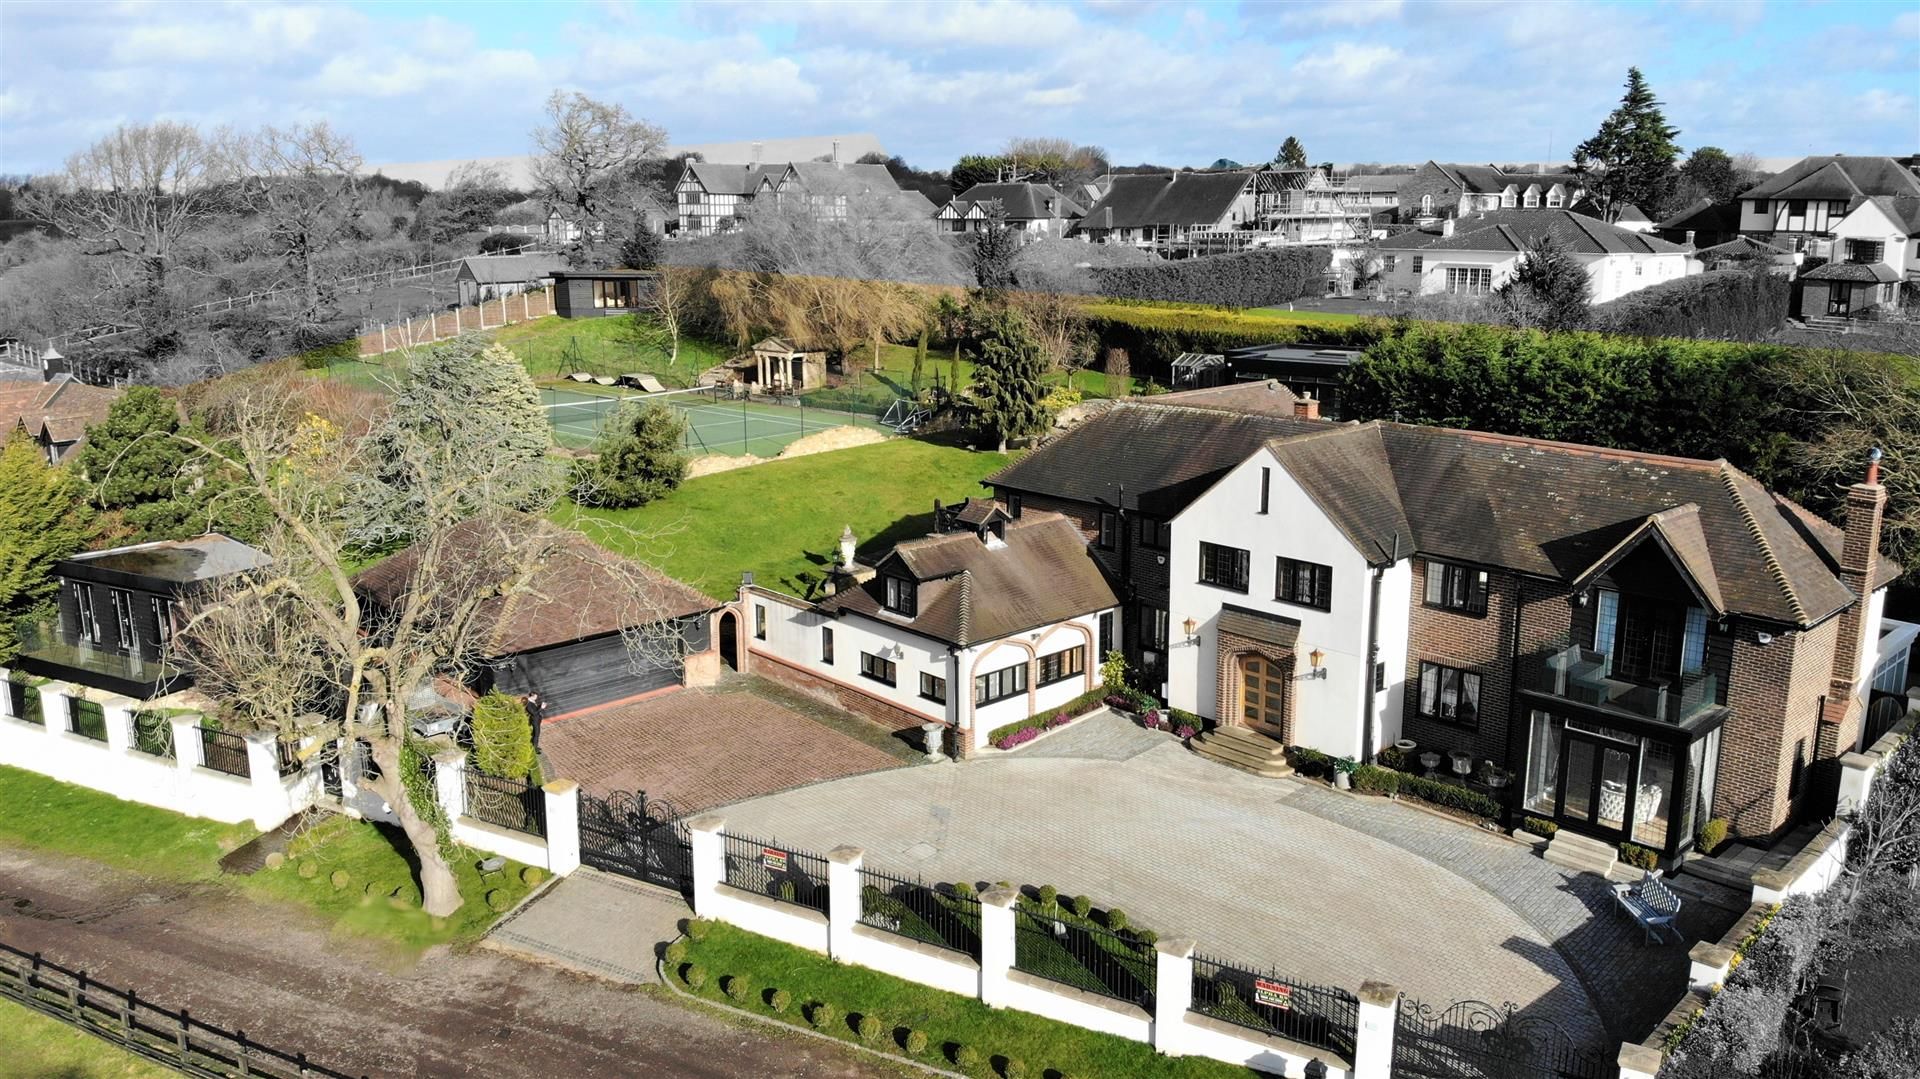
[
  {"x": 1405, "y": 745},
  {"x": 1343, "y": 772},
  {"x": 1496, "y": 776}
]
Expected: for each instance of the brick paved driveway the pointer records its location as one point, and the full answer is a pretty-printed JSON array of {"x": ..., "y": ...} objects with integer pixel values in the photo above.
[
  {"x": 1325, "y": 886},
  {"x": 701, "y": 747}
]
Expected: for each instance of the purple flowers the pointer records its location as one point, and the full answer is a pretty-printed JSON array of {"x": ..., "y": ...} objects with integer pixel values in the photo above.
[
  {"x": 1153, "y": 720},
  {"x": 1117, "y": 701},
  {"x": 1018, "y": 738},
  {"x": 1058, "y": 721},
  {"x": 1185, "y": 732}
]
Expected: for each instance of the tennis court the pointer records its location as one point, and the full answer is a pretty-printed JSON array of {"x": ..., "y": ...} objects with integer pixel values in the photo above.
[{"x": 716, "y": 422}]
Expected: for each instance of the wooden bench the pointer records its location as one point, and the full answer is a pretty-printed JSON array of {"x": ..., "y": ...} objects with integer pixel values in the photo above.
[{"x": 1651, "y": 903}]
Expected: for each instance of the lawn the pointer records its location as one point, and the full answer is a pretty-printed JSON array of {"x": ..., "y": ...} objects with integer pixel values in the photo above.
[
  {"x": 782, "y": 519},
  {"x": 877, "y": 389},
  {"x": 46, "y": 814},
  {"x": 949, "y": 1021},
  {"x": 39, "y": 1047}
]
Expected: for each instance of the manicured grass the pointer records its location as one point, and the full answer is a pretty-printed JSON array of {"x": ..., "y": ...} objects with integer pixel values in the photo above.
[
  {"x": 46, "y": 814},
  {"x": 1046, "y": 1048},
  {"x": 376, "y": 872},
  {"x": 895, "y": 377},
  {"x": 1271, "y": 316},
  {"x": 38, "y": 1047},
  {"x": 782, "y": 519},
  {"x": 555, "y": 347}
]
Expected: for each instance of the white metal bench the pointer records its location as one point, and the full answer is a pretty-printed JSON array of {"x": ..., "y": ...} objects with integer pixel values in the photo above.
[{"x": 1651, "y": 903}]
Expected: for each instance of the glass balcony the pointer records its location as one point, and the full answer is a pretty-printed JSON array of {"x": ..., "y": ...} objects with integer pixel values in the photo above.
[
  {"x": 47, "y": 652},
  {"x": 1578, "y": 674}
]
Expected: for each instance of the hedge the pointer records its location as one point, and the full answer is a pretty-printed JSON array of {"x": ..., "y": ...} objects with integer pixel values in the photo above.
[
  {"x": 1258, "y": 278},
  {"x": 1374, "y": 779},
  {"x": 1079, "y": 706},
  {"x": 1733, "y": 304},
  {"x": 1156, "y": 336}
]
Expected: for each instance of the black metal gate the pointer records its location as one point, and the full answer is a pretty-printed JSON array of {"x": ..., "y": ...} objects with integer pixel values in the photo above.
[
  {"x": 636, "y": 837},
  {"x": 1472, "y": 1039}
]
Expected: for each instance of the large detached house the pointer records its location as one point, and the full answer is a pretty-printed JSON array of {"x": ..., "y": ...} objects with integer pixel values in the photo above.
[
  {"x": 55, "y": 413},
  {"x": 989, "y": 621},
  {"x": 1034, "y": 209},
  {"x": 1169, "y": 209},
  {"x": 1860, "y": 215},
  {"x": 1477, "y": 253},
  {"x": 1636, "y": 643},
  {"x": 712, "y": 198},
  {"x": 1436, "y": 191}
]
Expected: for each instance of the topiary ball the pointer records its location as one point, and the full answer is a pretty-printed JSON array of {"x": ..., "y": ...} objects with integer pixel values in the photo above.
[
  {"x": 779, "y": 1000},
  {"x": 1116, "y": 919},
  {"x": 677, "y": 952},
  {"x": 697, "y": 929},
  {"x": 967, "y": 1057},
  {"x": 341, "y": 878},
  {"x": 308, "y": 868},
  {"x": 738, "y": 986},
  {"x": 822, "y": 1015},
  {"x": 916, "y": 1042},
  {"x": 871, "y": 1029},
  {"x": 1082, "y": 905},
  {"x": 532, "y": 875},
  {"x": 497, "y": 900},
  {"x": 1014, "y": 1068},
  {"x": 376, "y": 890},
  {"x": 695, "y": 975},
  {"x": 276, "y": 860}
]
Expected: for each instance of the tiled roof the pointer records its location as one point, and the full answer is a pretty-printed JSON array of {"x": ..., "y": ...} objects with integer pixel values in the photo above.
[
  {"x": 1363, "y": 181},
  {"x": 1266, "y": 396},
  {"x": 580, "y": 590},
  {"x": 509, "y": 269},
  {"x": 1163, "y": 456},
  {"x": 1903, "y": 210},
  {"x": 732, "y": 179},
  {"x": 1838, "y": 176},
  {"x": 1181, "y": 198},
  {"x": 1036, "y": 572},
  {"x": 1517, "y": 230},
  {"x": 1739, "y": 247},
  {"x": 1872, "y": 273},
  {"x": 64, "y": 405},
  {"x": 1705, "y": 215},
  {"x": 1020, "y": 202}
]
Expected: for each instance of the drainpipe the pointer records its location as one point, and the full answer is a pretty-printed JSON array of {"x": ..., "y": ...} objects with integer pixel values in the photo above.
[{"x": 1370, "y": 715}]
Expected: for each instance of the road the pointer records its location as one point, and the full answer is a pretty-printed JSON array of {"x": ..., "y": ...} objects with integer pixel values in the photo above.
[{"x": 354, "y": 1005}]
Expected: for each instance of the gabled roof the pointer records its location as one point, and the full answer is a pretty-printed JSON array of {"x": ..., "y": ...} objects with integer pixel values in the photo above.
[
  {"x": 1020, "y": 202},
  {"x": 580, "y": 590},
  {"x": 1838, "y": 176},
  {"x": 1705, "y": 215},
  {"x": 1366, "y": 181},
  {"x": 1517, "y": 230},
  {"x": 1269, "y": 396},
  {"x": 1163, "y": 456},
  {"x": 1872, "y": 273},
  {"x": 1180, "y": 198},
  {"x": 1036, "y": 571},
  {"x": 827, "y": 178},
  {"x": 732, "y": 179},
  {"x": 1903, "y": 211},
  {"x": 1741, "y": 247},
  {"x": 509, "y": 269},
  {"x": 63, "y": 407},
  {"x": 1679, "y": 534}
]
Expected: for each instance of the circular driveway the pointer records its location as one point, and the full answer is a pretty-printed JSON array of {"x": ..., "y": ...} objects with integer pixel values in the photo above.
[{"x": 1322, "y": 886}]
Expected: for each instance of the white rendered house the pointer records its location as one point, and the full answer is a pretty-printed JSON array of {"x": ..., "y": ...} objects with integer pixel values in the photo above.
[{"x": 1477, "y": 254}]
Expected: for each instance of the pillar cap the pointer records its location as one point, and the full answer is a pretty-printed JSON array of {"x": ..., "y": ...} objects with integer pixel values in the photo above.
[
  {"x": 1640, "y": 1058},
  {"x": 1380, "y": 994},
  {"x": 845, "y": 855},
  {"x": 1178, "y": 947},
  {"x": 449, "y": 756},
  {"x": 1711, "y": 954},
  {"x": 561, "y": 787},
  {"x": 707, "y": 822},
  {"x": 1000, "y": 897}
]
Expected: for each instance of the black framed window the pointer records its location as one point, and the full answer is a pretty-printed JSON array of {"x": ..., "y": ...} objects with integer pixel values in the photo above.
[
  {"x": 1013, "y": 503},
  {"x": 1154, "y": 534},
  {"x": 1106, "y": 633},
  {"x": 1457, "y": 588},
  {"x": 877, "y": 668},
  {"x": 1153, "y": 627},
  {"x": 1109, "y": 530},
  {"x": 933, "y": 687},
  {"x": 162, "y": 621},
  {"x": 1379, "y": 677},
  {"x": 1760, "y": 206},
  {"x": 1064, "y": 664},
  {"x": 122, "y": 615},
  {"x": 1449, "y": 694},
  {"x": 1000, "y": 685},
  {"x": 89, "y": 625},
  {"x": 826, "y": 645},
  {"x": 760, "y": 621},
  {"x": 1223, "y": 567},
  {"x": 902, "y": 596},
  {"x": 1308, "y": 584},
  {"x": 1266, "y": 484}
]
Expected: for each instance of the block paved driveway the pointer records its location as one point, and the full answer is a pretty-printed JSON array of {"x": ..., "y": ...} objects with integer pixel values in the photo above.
[
  {"x": 700, "y": 747},
  {"x": 1324, "y": 886}
]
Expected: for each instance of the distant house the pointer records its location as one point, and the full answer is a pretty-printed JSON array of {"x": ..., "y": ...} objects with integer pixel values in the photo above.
[
  {"x": 1870, "y": 251},
  {"x": 1035, "y": 209},
  {"x": 1162, "y": 210},
  {"x": 1703, "y": 224},
  {"x": 55, "y": 414},
  {"x": 599, "y": 293},
  {"x": 1744, "y": 249},
  {"x": 1477, "y": 254},
  {"x": 1800, "y": 209},
  {"x": 1373, "y": 191},
  {"x": 1436, "y": 190},
  {"x": 712, "y": 198},
  {"x": 490, "y": 277}
]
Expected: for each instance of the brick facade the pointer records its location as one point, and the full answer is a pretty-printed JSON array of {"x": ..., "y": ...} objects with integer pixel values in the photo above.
[
  {"x": 844, "y": 697},
  {"x": 1229, "y": 692}
]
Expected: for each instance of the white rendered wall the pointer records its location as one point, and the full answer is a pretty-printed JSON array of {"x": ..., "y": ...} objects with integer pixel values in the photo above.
[{"x": 793, "y": 636}]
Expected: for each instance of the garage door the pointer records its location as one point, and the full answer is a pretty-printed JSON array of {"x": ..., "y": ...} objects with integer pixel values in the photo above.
[{"x": 587, "y": 673}]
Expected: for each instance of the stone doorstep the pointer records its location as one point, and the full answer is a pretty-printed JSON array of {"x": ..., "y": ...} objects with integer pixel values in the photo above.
[
  {"x": 773, "y": 906},
  {"x": 1272, "y": 1042},
  {"x": 1079, "y": 996},
  {"x": 918, "y": 947}
]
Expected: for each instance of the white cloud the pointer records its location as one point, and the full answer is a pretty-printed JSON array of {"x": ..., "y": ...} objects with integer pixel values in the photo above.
[{"x": 1346, "y": 14}]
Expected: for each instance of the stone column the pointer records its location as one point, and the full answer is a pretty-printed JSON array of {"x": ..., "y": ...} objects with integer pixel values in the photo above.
[
  {"x": 450, "y": 783},
  {"x": 1856, "y": 781},
  {"x": 996, "y": 944},
  {"x": 563, "y": 826},
  {"x": 843, "y": 898},
  {"x": 53, "y": 708},
  {"x": 1379, "y": 1014},
  {"x": 6, "y": 695},
  {"x": 1708, "y": 964},
  {"x": 1172, "y": 994},
  {"x": 709, "y": 858},
  {"x": 1639, "y": 1062},
  {"x": 270, "y": 803},
  {"x": 119, "y": 715},
  {"x": 186, "y": 742}
]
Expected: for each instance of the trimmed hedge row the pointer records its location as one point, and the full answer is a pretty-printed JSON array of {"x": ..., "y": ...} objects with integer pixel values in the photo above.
[
  {"x": 1373, "y": 779},
  {"x": 1732, "y": 304},
  {"x": 1079, "y": 706},
  {"x": 1257, "y": 278},
  {"x": 1155, "y": 336}
]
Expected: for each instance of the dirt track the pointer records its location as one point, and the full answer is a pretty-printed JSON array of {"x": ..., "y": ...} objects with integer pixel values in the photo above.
[{"x": 353, "y": 1006}]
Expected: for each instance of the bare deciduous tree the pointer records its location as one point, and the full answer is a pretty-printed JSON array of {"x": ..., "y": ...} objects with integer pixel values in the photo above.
[
  {"x": 303, "y": 183},
  {"x": 585, "y": 155}
]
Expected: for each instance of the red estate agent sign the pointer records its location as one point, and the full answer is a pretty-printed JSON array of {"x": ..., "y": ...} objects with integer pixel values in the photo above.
[
  {"x": 775, "y": 860},
  {"x": 1273, "y": 994}
]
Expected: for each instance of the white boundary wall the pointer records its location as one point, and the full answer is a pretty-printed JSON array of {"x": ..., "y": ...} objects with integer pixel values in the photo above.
[{"x": 558, "y": 852}]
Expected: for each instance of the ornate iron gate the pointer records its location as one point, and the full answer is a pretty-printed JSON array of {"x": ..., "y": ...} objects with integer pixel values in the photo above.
[
  {"x": 1472, "y": 1039},
  {"x": 636, "y": 837}
]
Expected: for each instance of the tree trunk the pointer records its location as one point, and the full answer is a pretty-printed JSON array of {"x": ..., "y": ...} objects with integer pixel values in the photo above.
[{"x": 439, "y": 889}]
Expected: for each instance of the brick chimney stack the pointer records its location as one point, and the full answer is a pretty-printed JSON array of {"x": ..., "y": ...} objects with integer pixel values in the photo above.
[
  {"x": 1859, "y": 562},
  {"x": 1306, "y": 408}
]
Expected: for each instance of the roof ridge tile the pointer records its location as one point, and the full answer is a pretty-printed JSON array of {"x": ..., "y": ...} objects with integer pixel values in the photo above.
[{"x": 1729, "y": 476}]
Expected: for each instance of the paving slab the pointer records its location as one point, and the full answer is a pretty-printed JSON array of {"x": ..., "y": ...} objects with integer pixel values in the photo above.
[{"x": 595, "y": 923}]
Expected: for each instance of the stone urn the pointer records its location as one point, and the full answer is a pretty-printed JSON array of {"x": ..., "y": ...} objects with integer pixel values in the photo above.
[
  {"x": 1462, "y": 763},
  {"x": 1406, "y": 745},
  {"x": 932, "y": 733},
  {"x": 1430, "y": 761}
]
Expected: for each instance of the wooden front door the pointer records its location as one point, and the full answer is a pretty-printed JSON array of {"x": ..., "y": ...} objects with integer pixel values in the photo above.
[{"x": 1263, "y": 694}]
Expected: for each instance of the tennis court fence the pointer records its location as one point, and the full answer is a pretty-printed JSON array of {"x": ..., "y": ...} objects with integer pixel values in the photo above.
[{"x": 720, "y": 419}]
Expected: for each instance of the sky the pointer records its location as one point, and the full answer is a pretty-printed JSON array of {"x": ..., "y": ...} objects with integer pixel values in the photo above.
[{"x": 1178, "y": 84}]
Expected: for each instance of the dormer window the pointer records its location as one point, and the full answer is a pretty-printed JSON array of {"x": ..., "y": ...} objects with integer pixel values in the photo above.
[{"x": 902, "y": 596}]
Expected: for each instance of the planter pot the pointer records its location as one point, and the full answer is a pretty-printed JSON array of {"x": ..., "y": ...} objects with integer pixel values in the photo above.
[
  {"x": 1343, "y": 781},
  {"x": 1407, "y": 745}
]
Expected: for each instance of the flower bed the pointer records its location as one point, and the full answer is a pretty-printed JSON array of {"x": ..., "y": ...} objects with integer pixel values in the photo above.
[{"x": 1015, "y": 735}]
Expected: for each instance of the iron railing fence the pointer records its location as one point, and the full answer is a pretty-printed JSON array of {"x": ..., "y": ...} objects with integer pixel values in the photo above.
[
  {"x": 636, "y": 836},
  {"x": 514, "y": 804},
  {"x": 87, "y": 718},
  {"x": 120, "y": 1017},
  {"x": 930, "y": 914},
  {"x": 25, "y": 699},
  {"x": 779, "y": 872},
  {"x": 1316, "y": 1015},
  {"x": 224, "y": 751},
  {"x": 286, "y": 757},
  {"x": 152, "y": 734},
  {"x": 1084, "y": 956}
]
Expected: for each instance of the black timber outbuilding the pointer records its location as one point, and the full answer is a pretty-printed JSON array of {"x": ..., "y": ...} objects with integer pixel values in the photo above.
[{"x": 599, "y": 293}]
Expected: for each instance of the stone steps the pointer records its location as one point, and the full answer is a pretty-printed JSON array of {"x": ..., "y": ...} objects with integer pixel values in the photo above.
[
  {"x": 1238, "y": 747},
  {"x": 1581, "y": 853},
  {"x": 1739, "y": 878}
]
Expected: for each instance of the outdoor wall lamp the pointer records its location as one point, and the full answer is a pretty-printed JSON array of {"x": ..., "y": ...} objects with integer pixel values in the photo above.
[
  {"x": 1192, "y": 630},
  {"x": 1317, "y": 659}
]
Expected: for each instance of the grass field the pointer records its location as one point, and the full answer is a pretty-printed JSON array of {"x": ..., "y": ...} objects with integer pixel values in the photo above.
[
  {"x": 714, "y": 425},
  {"x": 1045, "y": 1047},
  {"x": 45, "y": 814},
  {"x": 782, "y": 519},
  {"x": 35, "y": 1046}
]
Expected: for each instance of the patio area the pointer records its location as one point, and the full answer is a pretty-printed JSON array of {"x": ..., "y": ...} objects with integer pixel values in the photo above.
[{"x": 1325, "y": 886}]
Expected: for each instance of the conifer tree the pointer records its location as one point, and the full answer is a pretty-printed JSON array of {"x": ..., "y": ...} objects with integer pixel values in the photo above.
[
  {"x": 1630, "y": 159},
  {"x": 1293, "y": 154},
  {"x": 44, "y": 517},
  {"x": 1550, "y": 290},
  {"x": 1007, "y": 378}
]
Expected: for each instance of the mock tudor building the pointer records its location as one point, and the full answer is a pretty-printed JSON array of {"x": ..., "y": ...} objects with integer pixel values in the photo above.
[
  {"x": 1037, "y": 210},
  {"x": 1438, "y": 190},
  {"x": 1799, "y": 208},
  {"x": 986, "y": 622}
]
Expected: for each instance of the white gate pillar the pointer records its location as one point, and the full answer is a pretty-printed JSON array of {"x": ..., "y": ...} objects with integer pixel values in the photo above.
[
  {"x": 1172, "y": 994},
  {"x": 1379, "y": 1013},
  {"x": 709, "y": 859},
  {"x": 843, "y": 898},
  {"x": 996, "y": 944},
  {"x": 563, "y": 826}
]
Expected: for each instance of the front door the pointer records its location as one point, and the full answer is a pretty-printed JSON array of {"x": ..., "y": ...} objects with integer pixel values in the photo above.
[
  {"x": 1597, "y": 789},
  {"x": 1839, "y": 299},
  {"x": 1263, "y": 694}
]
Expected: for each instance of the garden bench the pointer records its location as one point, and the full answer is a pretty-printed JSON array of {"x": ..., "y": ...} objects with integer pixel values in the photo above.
[{"x": 1651, "y": 903}]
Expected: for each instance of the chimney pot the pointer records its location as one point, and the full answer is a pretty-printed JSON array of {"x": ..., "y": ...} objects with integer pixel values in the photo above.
[
  {"x": 1873, "y": 464},
  {"x": 757, "y": 147},
  {"x": 836, "y": 154},
  {"x": 1306, "y": 408}
]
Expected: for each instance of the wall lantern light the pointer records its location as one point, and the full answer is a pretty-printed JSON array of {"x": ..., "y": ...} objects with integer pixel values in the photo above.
[
  {"x": 1192, "y": 629},
  {"x": 1317, "y": 660}
]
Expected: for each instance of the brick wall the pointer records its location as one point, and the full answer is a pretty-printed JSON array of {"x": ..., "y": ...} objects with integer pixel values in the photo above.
[
  {"x": 1474, "y": 644},
  {"x": 1774, "y": 693},
  {"x": 846, "y": 698},
  {"x": 1428, "y": 180}
]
